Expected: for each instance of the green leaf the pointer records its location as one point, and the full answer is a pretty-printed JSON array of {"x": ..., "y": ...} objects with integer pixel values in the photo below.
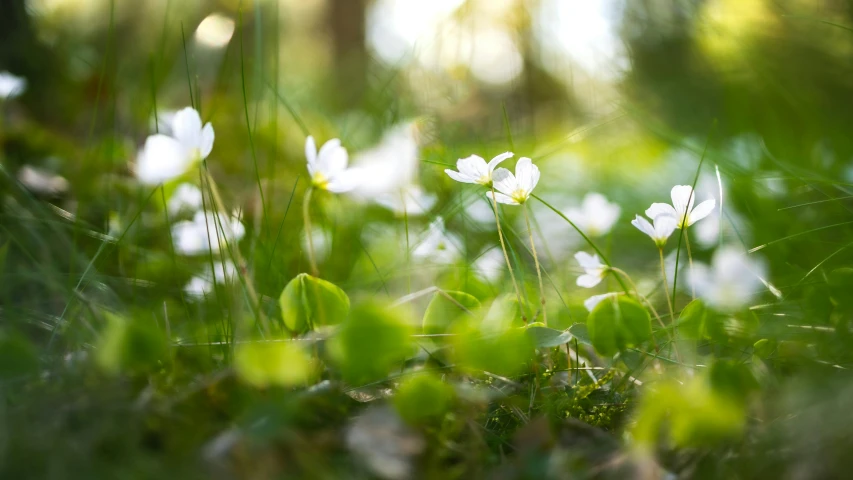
[
  {"x": 423, "y": 397},
  {"x": 273, "y": 363},
  {"x": 18, "y": 357},
  {"x": 130, "y": 345},
  {"x": 581, "y": 333},
  {"x": 503, "y": 314},
  {"x": 308, "y": 302},
  {"x": 374, "y": 340},
  {"x": 544, "y": 337},
  {"x": 691, "y": 321},
  {"x": 617, "y": 323},
  {"x": 502, "y": 353},
  {"x": 445, "y": 308},
  {"x": 764, "y": 348}
]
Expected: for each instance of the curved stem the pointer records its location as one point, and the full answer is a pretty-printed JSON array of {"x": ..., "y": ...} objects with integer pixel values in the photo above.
[
  {"x": 506, "y": 257},
  {"x": 637, "y": 293},
  {"x": 242, "y": 267},
  {"x": 690, "y": 263},
  {"x": 666, "y": 287},
  {"x": 586, "y": 239},
  {"x": 538, "y": 268},
  {"x": 306, "y": 217}
]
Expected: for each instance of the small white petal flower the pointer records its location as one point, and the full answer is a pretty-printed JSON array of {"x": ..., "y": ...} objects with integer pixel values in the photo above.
[
  {"x": 682, "y": 209},
  {"x": 437, "y": 245},
  {"x": 201, "y": 285},
  {"x": 595, "y": 271},
  {"x": 596, "y": 216},
  {"x": 11, "y": 86},
  {"x": 186, "y": 198},
  {"x": 206, "y": 232},
  {"x": 731, "y": 282},
  {"x": 591, "y": 302},
  {"x": 328, "y": 167},
  {"x": 474, "y": 169},
  {"x": 391, "y": 165},
  {"x": 516, "y": 189},
  {"x": 663, "y": 227},
  {"x": 41, "y": 181},
  {"x": 410, "y": 201},
  {"x": 165, "y": 157}
]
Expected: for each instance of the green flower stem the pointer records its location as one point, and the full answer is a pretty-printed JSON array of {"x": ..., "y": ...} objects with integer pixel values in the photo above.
[
  {"x": 666, "y": 286},
  {"x": 506, "y": 257},
  {"x": 306, "y": 217},
  {"x": 538, "y": 268},
  {"x": 690, "y": 262},
  {"x": 637, "y": 294},
  {"x": 601, "y": 255},
  {"x": 235, "y": 252}
]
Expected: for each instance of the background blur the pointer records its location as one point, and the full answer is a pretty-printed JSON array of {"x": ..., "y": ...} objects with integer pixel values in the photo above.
[{"x": 616, "y": 96}]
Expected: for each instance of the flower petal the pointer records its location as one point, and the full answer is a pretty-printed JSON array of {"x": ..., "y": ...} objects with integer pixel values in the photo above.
[
  {"x": 658, "y": 209},
  {"x": 587, "y": 261},
  {"x": 701, "y": 211},
  {"x": 644, "y": 226},
  {"x": 682, "y": 199},
  {"x": 498, "y": 159},
  {"x": 501, "y": 198},
  {"x": 459, "y": 177},
  {"x": 504, "y": 181},
  {"x": 327, "y": 147},
  {"x": 310, "y": 150},
  {"x": 588, "y": 281},
  {"x": 527, "y": 174},
  {"x": 345, "y": 181},
  {"x": 186, "y": 128},
  {"x": 162, "y": 158},
  {"x": 664, "y": 226},
  {"x": 473, "y": 166},
  {"x": 207, "y": 138},
  {"x": 591, "y": 302}
]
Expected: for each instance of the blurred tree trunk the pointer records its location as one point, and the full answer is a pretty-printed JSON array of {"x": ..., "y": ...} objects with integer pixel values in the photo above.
[
  {"x": 346, "y": 22},
  {"x": 23, "y": 54}
]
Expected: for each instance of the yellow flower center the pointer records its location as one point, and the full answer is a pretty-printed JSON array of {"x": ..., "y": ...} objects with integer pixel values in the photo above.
[
  {"x": 320, "y": 181},
  {"x": 520, "y": 195}
]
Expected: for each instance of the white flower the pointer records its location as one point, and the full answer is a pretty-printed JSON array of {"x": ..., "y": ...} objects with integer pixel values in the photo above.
[
  {"x": 165, "y": 157},
  {"x": 41, "y": 181},
  {"x": 663, "y": 227},
  {"x": 410, "y": 201},
  {"x": 474, "y": 169},
  {"x": 682, "y": 207},
  {"x": 516, "y": 189},
  {"x": 593, "y": 268},
  {"x": 390, "y": 166},
  {"x": 206, "y": 232},
  {"x": 595, "y": 216},
  {"x": 186, "y": 198},
  {"x": 490, "y": 265},
  {"x": 438, "y": 246},
  {"x": 11, "y": 85},
  {"x": 201, "y": 285},
  {"x": 591, "y": 302},
  {"x": 328, "y": 167},
  {"x": 731, "y": 282}
]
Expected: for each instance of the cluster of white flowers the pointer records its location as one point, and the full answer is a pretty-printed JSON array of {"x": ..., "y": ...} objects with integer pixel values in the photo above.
[
  {"x": 182, "y": 143},
  {"x": 386, "y": 174}
]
